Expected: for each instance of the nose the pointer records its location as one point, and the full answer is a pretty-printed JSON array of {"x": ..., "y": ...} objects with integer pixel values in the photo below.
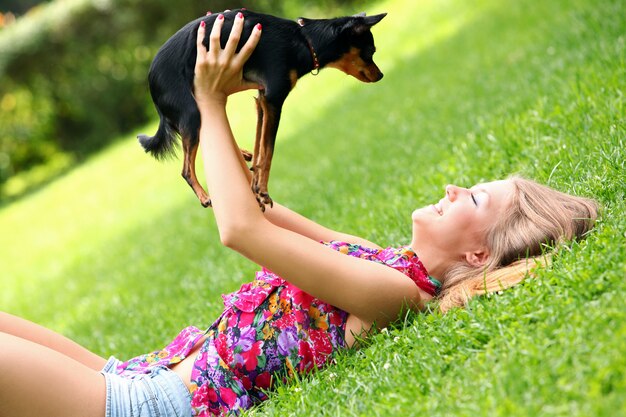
[
  {"x": 373, "y": 73},
  {"x": 452, "y": 191}
]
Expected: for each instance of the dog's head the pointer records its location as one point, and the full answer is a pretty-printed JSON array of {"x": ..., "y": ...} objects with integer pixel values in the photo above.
[{"x": 352, "y": 48}]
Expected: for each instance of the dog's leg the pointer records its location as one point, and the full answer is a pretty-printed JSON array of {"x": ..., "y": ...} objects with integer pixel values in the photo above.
[
  {"x": 257, "y": 160},
  {"x": 269, "y": 127},
  {"x": 259, "y": 125},
  {"x": 255, "y": 167},
  {"x": 189, "y": 170},
  {"x": 247, "y": 156}
]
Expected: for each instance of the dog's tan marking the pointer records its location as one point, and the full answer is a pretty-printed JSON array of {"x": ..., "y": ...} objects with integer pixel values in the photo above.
[
  {"x": 247, "y": 155},
  {"x": 263, "y": 152},
  {"x": 267, "y": 153},
  {"x": 352, "y": 64},
  {"x": 259, "y": 127},
  {"x": 293, "y": 77},
  {"x": 189, "y": 172}
]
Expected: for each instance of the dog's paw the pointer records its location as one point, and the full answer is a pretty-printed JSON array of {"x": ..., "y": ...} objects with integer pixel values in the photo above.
[
  {"x": 265, "y": 199},
  {"x": 206, "y": 203},
  {"x": 261, "y": 204},
  {"x": 261, "y": 194},
  {"x": 247, "y": 155}
]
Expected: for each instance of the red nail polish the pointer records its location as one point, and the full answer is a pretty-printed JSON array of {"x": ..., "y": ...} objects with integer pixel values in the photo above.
[
  {"x": 208, "y": 13},
  {"x": 220, "y": 17},
  {"x": 243, "y": 8},
  {"x": 258, "y": 26},
  {"x": 202, "y": 24},
  {"x": 239, "y": 15}
]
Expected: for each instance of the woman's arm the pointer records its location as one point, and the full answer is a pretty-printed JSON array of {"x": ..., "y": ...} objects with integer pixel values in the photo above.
[
  {"x": 283, "y": 217},
  {"x": 370, "y": 291},
  {"x": 288, "y": 219}
]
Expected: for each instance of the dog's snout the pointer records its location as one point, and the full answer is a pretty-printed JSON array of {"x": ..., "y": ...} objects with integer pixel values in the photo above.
[{"x": 374, "y": 74}]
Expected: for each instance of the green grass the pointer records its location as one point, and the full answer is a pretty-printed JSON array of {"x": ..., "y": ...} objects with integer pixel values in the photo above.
[{"x": 119, "y": 255}]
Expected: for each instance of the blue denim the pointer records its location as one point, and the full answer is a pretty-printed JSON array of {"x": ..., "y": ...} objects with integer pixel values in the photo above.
[{"x": 160, "y": 393}]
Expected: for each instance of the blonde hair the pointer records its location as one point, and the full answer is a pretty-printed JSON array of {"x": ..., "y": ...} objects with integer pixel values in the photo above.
[{"x": 538, "y": 218}]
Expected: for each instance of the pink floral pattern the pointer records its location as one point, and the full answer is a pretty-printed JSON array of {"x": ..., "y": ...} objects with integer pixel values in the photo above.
[{"x": 269, "y": 330}]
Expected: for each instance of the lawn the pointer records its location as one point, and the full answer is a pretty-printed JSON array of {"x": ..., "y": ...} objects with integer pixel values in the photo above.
[{"x": 119, "y": 255}]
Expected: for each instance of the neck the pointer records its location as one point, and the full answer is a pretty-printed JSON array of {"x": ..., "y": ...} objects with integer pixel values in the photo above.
[
  {"x": 316, "y": 61},
  {"x": 432, "y": 259},
  {"x": 320, "y": 38}
]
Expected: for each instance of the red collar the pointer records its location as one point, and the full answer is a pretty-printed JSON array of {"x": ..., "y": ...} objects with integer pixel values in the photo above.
[{"x": 316, "y": 62}]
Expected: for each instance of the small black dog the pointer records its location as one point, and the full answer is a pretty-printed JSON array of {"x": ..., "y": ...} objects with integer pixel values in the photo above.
[{"x": 286, "y": 51}]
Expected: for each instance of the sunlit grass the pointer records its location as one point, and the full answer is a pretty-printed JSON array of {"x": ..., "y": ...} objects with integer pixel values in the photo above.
[{"x": 119, "y": 255}]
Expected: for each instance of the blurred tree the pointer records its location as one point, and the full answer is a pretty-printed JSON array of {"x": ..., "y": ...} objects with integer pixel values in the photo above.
[
  {"x": 18, "y": 7},
  {"x": 75, "y": 75},
  {"x": 75, "y": 71}
]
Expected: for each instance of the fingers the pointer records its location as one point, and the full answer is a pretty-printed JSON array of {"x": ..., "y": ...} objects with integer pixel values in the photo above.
[
  {"x": 214, "y": 37},
  {"x": 200, "y": 49},
  {"x": 235, "y": 35},
  {"x": 215, "y": 52},
  {"x": 250, "y": 44}
]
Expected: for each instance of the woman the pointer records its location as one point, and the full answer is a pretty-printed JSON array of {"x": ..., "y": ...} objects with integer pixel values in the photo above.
[{"x": 309, "y": 300}]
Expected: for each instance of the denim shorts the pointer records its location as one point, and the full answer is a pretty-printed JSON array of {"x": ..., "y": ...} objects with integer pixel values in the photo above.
[{"x": 160, "y": 393}]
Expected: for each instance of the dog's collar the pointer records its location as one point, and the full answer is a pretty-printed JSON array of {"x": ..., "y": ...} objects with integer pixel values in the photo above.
[{"x": 316, "y": 62}]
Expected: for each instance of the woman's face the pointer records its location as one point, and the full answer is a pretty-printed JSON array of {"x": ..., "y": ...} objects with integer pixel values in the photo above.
[{"x": 459, "y": 222}]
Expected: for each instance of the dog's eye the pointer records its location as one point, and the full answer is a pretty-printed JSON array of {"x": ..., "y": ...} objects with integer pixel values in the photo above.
[{"x": 368, "y": 52}]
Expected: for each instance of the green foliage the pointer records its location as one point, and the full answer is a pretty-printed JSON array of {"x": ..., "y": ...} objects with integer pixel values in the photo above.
[
  {"x": 119, "y": 255},
  {"x": 76, "y": 74},
  {"x": 18, "y": 7},
  {"x": 292, "y": 9},
  {"x": 24, "y": 138}
]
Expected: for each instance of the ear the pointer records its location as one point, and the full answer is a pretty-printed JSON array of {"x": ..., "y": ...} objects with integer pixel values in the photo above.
[
  {"x": 302, "y": 21},
  {"x": 477, "y": 258},
  {"x": 361, "y": 23},
  {"x": 372, "y": 20}
]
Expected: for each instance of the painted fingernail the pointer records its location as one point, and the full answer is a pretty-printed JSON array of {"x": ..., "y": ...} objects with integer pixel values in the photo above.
[
  {"x": 208, "y": 13},
  {"x": 220, "y": 17},
  {"x": 239, "y": 15},
  {"x": 258, "y": 26},
  {"x": 243, "y": 8},
  {"x": 202, "y": 24}
]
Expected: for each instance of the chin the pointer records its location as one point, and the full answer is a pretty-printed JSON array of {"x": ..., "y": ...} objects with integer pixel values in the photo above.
[
  {"x": 421, "y": 213},
  {"x": 415, "y": 215}
]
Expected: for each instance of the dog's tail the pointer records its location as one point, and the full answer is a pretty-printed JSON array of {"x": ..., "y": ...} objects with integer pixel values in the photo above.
[{"x": 161, "y": 145}]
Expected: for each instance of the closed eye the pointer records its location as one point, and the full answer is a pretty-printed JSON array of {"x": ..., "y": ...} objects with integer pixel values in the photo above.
[{"x": 474, "y": 199}]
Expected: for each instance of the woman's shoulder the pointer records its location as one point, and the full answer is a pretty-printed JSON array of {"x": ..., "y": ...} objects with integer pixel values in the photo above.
[
  {"x": 388, "y": 253},
  {"x": 401, "y": 258},
  {"x": 352, "y": 248}
]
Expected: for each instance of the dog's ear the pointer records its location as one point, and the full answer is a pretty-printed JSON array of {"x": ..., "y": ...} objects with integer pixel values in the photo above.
[
  {"x": 303, "y": 21},
  {"x": 361, "y": 23},
  {"x": 372, "y": 20}
]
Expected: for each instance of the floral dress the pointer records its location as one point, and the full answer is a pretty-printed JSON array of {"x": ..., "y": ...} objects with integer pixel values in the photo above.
[{"x": 269, "y": 329}]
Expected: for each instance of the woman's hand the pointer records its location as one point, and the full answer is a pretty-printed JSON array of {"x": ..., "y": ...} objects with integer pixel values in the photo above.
[{"x": 219, "y": 72}]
